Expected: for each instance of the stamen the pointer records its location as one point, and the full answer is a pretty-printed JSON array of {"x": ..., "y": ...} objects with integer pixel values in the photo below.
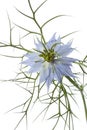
[{"x": 48, "y": 55}]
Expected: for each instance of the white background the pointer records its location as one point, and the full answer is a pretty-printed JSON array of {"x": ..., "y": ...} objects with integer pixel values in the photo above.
[{"x": 10, "y": 94}]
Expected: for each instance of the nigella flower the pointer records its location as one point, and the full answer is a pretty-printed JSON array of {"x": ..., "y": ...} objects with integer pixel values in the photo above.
[{"x": 50, "y": 60}]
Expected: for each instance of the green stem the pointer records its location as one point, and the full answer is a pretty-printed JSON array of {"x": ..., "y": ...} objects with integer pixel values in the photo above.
[
  {"x": 40, "y": 28},
  {"x": 14, "y": 46}
]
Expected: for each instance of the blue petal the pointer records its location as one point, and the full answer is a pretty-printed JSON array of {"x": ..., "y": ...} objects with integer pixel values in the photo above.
[
  {"x": 32, "y": 56},
  {"x": 39, "y": 45},
  {"x": 43, "y": 75},
  {"x": 65, "y": 70},
  {"x": 59, "y": 39},
  {"x": 32, "y": 59},
  {"x": 44, "y": 71},
  {"x": 50, "y": 78},
  {"x": 64, "y": 50},
  {"x": 58, "y": 74},
  {"x": 35, "y": 67},
  {"x": 27, "y": 62},
  {"x": 65, "y": 60},
  {"x": 51, "y": 41}
]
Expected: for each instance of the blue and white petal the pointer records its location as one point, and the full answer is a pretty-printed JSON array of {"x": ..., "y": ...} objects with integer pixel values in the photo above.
[
  {"x": 35, "y": 67},
  {"x": 44, "y": 71}
]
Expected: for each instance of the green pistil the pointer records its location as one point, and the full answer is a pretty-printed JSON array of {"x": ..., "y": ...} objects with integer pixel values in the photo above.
[{"x": 48, "y": 55}]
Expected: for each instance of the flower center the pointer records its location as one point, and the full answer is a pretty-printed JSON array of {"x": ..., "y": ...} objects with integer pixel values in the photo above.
[{"x": 48, "y": 55}]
